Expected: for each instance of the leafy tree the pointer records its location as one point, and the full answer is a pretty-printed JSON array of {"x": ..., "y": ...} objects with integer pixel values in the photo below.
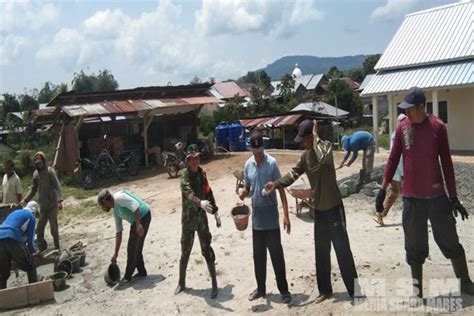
[
  {"x": 369, "y": 63},
  {"x": 9, "y": 104},
  {"x": 104, "y": 81},
  {"x": 260, "y": 78},
  {"x": 233, "y": 110},
  {"x": 60, "y": 88},
  {"x": 46, "y": 93},
  {"x": 195, "y": 80},
  {"x": 28, "y": 103},
  {"x": 286, "y": 86},
  {"x": 347, "y": 99},
  {"x": 357, "y": 74},
  {"x": 335, "y": 73}
]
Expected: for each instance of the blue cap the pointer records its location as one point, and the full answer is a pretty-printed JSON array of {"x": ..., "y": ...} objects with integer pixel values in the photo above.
[{"x": 413, "y": 97}]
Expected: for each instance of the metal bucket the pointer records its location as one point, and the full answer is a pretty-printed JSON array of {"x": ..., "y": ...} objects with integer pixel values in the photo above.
[
  {"x": 240, "y": 214},
  {"x": 59, "y": 280},
  {"x": 112, "y": 274},
  {"x": 65, "y": 266},
  {"x": 82, "y": 256},
  {"x": 76, "y": 263}
]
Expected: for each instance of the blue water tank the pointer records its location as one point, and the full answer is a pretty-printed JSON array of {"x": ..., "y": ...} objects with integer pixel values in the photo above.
[
  {"x": 237, "y": 137},
  {"x": 222, "y": 135}
]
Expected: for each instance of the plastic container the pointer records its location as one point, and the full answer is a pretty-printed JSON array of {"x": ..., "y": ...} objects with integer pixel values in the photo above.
[
  {"x": 237, "y": 137},
  {"x": 112, "y": 274},
  {"x": 222, "y": 135},
  {"x": 240, "y": 214}
]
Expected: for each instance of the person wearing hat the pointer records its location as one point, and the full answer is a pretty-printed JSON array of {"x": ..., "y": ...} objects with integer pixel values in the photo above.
[
  {"x": 197, "y": 200},
  {"x": 329, "y": 217},
  {"x": 395, "y": 186},
  {"x": 259, "y": 169},
  {"x": 423, "y": 141},
  {"x": 127, "y": 206},
  {"x": 16, "y": 243},
  {"x": 364, "y": 141},
  {"x": 45, "y": 181},
  {"x": 11, "y": 184}
]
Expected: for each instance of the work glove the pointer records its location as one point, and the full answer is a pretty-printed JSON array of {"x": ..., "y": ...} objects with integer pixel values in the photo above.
[
  {"x": 457, "y": 206},
  {"x": 218, "y": 219},
  {"x": 206, "y": 205},
  {"x": 379, "y": 201}
]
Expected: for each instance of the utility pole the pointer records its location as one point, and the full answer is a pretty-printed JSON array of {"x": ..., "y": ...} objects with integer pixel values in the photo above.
[{"x": 337, "y": 120}]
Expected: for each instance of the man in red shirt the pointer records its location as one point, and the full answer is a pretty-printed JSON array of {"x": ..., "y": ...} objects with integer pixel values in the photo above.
[{"x": 423, "y": 141}]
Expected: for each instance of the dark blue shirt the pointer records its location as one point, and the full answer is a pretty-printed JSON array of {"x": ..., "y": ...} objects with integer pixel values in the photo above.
[{"x": 19, "y": 225}]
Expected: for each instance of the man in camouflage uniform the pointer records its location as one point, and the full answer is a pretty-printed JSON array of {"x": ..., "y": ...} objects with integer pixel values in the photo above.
[{"x": 197, "y": 200}]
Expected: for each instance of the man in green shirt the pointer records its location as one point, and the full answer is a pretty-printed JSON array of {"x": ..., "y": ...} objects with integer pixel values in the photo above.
[
  {"x": 197, "y": 201},
  {"x": 131, "y": 208},
  {"x": 329, "y": 219}
]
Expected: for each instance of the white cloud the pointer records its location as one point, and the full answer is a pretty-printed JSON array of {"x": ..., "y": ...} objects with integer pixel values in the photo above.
[
  {"x": 392, "y": 9},
  {"x": 20, "y": 24},
  {"x": 11, "y": 48},
  {"x": 151, "y": 43},
  {"x": 18, "y": 16},
  {"x": 277, "y": 19}
]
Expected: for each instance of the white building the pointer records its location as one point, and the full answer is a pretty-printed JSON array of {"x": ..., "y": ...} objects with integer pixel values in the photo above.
[{"x": 432, "y": 49}]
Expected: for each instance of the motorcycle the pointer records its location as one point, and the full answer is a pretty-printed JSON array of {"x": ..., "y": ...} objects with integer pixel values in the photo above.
[
  {"x": 173, "y": 162},
  {"x": 105, "y": 166}
]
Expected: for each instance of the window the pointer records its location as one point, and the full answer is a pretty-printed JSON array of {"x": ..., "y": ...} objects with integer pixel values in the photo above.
[{"x": 442, "y": 110}]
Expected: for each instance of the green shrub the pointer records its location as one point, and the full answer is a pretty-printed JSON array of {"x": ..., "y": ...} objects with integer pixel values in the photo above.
[{"x": 384, "y": 141}]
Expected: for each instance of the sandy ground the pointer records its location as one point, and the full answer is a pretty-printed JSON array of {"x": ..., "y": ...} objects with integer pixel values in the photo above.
[{"x": 378, "y": 253}]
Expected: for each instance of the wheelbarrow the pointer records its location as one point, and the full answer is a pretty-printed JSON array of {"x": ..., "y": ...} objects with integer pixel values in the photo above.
[{"x": 302, "y": 194}]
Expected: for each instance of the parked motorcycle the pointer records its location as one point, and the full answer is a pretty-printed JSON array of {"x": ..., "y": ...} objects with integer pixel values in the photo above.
[
  {"x": 105, "y": 166},
  {"x": 174, "y": 162}
]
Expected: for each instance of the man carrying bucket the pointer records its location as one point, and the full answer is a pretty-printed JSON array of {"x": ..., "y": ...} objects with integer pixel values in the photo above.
[
  {"x": 197, "y": 199},
  {"x": 131, "y": 208},
  {"x": 260, "y": 169},
  {"x": 329, "y": 217}
]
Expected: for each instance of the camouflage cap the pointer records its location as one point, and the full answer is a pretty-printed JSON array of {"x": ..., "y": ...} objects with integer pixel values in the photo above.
[{"x": 192, "y": 151}]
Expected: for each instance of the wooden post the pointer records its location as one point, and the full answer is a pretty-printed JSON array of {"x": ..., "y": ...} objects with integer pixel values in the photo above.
[
  {"x": 283, "y": 136},
  {"x": 77, "y": 128},
  {"x": 58, "y": 145},
  {"x": 147, "y": 119},
  {"x": 375, "y": 122}
]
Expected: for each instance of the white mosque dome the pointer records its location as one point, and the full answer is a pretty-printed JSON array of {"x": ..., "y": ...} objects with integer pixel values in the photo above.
[{"x": 296, "y": 72}]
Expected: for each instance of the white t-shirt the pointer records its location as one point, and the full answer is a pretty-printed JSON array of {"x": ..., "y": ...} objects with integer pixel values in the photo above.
[{"x": 10, "y": 188}]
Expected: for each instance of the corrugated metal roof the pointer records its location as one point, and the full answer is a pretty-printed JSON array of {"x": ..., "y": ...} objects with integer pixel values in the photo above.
[
  {"x": 366, "y": 81},
  {"x": 229, "y": 89},
  {"x": 271, "y": 121},
  {"x": 313, "y": 83},
  {"x": 447, "y": 75},
  {"x": 321, "y": 108},
  {"x": 433, "y": 36},
  {"x": 134, "y": 106}
]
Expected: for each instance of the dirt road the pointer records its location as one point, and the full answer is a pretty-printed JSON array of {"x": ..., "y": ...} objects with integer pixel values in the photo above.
[{"x": 378, "y": 252}]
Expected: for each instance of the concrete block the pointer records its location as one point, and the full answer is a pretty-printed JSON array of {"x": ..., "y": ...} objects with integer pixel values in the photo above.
[
  {"x": 13, "y": 297},
  {"x": 29, "y": 294}
]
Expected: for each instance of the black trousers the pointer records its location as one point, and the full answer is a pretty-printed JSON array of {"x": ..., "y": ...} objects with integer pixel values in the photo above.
[
  {"x": 11, "y": 249},
  {"x": 330, "y": 227},
  {"x": 271, "y": 240},
  {"x": 135, "y": 248},
  {"x": 416, "y": 213}
]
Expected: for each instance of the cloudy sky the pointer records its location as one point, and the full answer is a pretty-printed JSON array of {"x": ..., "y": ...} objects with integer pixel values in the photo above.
[{"x": 148, "y": 43}]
